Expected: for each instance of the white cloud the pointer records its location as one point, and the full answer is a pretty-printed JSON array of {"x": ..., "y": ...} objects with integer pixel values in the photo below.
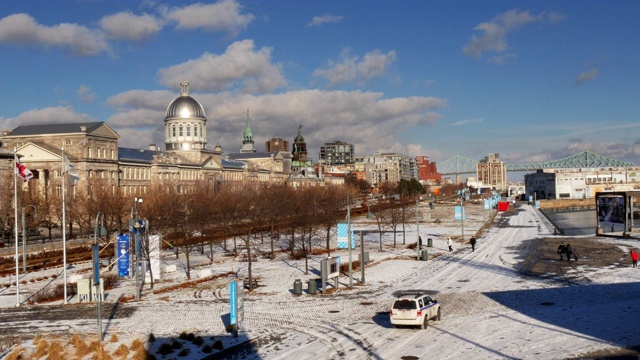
[
  {"x": 223, "y": 16},
  {"x": 325, "y": 19},
  {"x": 493, "y": 37},
  {"x": 587, "y": 76},
  {"x": 241, "y": 65},
  {"x": 502, "y": 59},
  {"x": 50, "y": 115},
  {"x": 127, "y": 26},
  {"x": 22, "y": 29},
  {"x": 353, "y": 69},
  {"x": 366, "y": 119},
  {"x": 467, "y": 121},
  {"x": 86, "y": 94}
]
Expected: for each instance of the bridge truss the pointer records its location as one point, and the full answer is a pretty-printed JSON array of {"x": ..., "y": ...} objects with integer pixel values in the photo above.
[{"x": 586, "y": 159}]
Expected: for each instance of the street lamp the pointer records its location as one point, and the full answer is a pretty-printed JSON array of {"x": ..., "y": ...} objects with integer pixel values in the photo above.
[
  {"x": 134, "y": 223},
  {"x": 417, "y": 229},
  {"x": 24, "y": 235},
  {"x": 99, "y": 230}
]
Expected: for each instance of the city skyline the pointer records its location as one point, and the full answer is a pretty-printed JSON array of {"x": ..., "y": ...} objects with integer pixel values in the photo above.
[{"x": 532, "y": 81}]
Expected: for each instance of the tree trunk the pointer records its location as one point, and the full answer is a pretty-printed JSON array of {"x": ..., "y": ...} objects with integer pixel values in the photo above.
[{"x": 329, "y": 241}]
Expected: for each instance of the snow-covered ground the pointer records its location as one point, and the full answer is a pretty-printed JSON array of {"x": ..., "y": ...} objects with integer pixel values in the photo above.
[{"x": 491, "y": 309}]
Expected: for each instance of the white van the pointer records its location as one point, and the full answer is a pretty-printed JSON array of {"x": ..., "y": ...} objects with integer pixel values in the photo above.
[{"x": 414, "y": 308}]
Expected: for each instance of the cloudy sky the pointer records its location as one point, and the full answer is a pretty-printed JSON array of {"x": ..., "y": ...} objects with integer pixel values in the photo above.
[{"x": 530, "y": 80}]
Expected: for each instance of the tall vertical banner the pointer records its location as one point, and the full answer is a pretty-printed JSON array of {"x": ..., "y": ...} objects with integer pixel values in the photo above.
[
  {"x": 123, "y": 255},
  {"x": 154, "y": 256},
  {"x": 459, "y": 213},
  {"x": 342, "y": 237},
  {"x": 233, "y": 303}
]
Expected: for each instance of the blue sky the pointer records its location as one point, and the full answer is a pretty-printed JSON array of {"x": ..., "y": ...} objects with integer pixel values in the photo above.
[{"x": 530, "y": 80}]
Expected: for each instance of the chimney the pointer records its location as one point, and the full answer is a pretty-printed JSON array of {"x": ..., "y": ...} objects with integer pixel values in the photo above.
[
  {"x": 83, "y": 128},
  {"x": 6, "y": 132},
  {"x": 153, "y": 147}
]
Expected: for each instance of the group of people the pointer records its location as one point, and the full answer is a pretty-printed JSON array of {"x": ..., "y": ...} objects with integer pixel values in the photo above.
[
  {"x": 472, "y": 241},
  {"x": 568, "y": 251}
]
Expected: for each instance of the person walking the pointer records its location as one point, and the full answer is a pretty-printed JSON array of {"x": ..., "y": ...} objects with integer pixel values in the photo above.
[
  {"x": 634, "y": 258},
  {"x": 450, "y": 243},
  {"x": 568, "y": 251},
  {"x": 561, "y": 250},
  {"x": 473, "y": 243}
]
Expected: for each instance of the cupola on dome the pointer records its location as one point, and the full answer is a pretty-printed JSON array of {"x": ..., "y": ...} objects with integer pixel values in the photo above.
[{"x": 185, "y": 106}]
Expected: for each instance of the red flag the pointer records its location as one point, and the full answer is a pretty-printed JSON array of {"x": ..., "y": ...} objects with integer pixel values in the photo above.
[{"x": 22, "y": 170}]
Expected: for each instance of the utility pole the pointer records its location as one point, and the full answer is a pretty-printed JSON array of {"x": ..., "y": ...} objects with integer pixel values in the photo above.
[{"x": 417, "y": 230}]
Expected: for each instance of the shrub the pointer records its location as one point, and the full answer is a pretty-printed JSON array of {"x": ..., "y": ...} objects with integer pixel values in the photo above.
[
  {"x": 176, "y": 344},
  {"x": 114, "y": 338},
  {"x": 207, "y": 349},
  {"x": 184, "y": 352},
  {"x": 218, "y": 345},
  {"x": 197, "y": 341},
  {"x": 151, "y": 338},
  {"x": 122, "y": 351},
  {"x": 165, "y": 349}
]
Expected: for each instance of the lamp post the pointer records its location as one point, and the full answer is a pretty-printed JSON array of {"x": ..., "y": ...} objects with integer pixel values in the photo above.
[
  {"x": 349, "y": 240},
  {"x": 417, "y": 229},
  {"x": 134, "y": 223},
  {"x": 24, "y": 236},
  {"x": 99, "y": 230}
]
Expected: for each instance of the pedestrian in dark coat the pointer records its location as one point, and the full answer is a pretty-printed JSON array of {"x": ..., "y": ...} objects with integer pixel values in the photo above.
[
  {"x": 634, "y": 258},
  {"x": 473, "y": 244},
  {"x": 561, "y": 250},
  {"x": 568, "y": 251}
]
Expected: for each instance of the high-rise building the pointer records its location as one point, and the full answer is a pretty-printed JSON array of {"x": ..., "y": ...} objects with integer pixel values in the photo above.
[
  {"x": 336, "y": 153},
  {"x": 493, "y": 172}
]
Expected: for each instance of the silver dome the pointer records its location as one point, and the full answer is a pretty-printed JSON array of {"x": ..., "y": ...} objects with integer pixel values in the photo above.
[{"x": 185, "y": 107}]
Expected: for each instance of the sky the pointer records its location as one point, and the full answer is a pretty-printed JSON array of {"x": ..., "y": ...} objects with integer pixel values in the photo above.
[{"x": 530, "y": 80}]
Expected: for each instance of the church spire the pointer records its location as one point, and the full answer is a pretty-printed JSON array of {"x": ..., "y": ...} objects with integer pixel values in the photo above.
[{"x": 247, "y": 143}]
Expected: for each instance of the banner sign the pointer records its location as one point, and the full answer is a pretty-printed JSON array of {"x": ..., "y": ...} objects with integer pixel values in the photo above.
[
  {"x": 459, "y": 213},
  {"x": 342, "y": 237},
  {"x": 233, "y": 303},
  {"x": 123, "y": 255},
  {"x": 154, "y": 256}
]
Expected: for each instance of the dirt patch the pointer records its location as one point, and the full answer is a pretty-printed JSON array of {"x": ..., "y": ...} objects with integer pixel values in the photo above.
[{"x": 593, "y": 252}]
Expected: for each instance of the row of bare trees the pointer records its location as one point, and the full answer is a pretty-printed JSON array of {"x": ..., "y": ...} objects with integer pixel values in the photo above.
[{"x": 196, "y": 217}]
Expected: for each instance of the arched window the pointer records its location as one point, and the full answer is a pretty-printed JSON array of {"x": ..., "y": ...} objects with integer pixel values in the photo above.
[{"x": 188, "y": 130}]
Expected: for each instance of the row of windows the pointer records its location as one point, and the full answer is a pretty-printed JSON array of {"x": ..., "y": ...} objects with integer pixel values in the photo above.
[
  {"x": 101, "y": 153},
  {"x": 135, "y": 173},
  {"x": 181, "y": 129}
]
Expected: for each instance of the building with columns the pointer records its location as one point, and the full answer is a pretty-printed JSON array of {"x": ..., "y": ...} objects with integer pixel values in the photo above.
[{"x": 93, "y": 149}]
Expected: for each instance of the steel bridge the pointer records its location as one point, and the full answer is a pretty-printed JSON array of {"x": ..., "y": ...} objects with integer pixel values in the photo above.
[{"x": 586, "y": 159}]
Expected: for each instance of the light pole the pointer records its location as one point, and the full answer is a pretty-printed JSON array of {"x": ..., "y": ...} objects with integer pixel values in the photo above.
[
  {"x": 134, "y": 223},
  {"x": 24, "y": 235},
  {"x": 349, "y": 240},
  {"x": 99, "y": 230},
  {"x": 417, "y": 229}
]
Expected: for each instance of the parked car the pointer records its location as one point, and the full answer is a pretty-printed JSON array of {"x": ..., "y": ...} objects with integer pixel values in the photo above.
[
  {"x": 414, "y": 308},
  {"x": 33, "y": 232}
]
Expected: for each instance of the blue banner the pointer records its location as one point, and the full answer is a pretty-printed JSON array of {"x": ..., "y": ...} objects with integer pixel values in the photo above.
[
  {"x": 123, "y": 255},
  {"x": 459, "y": 213},
  {"x": 342, "y": 237},
  {"x": 96, "y": 264},
  {"x": 233, "y": 303}
]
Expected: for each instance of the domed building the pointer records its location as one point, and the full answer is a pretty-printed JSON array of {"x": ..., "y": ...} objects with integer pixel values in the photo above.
[
  {"x": 93, "y": 149},
  {"x": 185, "y": 123}
]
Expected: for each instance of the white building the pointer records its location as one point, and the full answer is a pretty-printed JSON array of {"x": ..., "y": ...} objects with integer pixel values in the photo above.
[{"x": 580, "y": 183}]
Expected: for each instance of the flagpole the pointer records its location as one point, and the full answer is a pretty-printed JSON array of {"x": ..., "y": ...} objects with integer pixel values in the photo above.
[
  {"x": 64, "y": 232},
  {"x": 15, "y": 216}
]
